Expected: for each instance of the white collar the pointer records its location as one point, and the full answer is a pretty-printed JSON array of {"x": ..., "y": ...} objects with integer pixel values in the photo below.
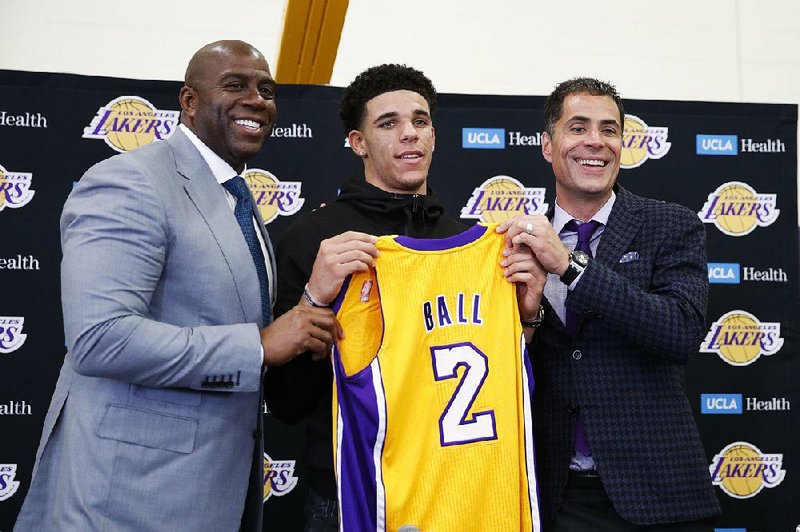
[{"x": 222, "y": 171}]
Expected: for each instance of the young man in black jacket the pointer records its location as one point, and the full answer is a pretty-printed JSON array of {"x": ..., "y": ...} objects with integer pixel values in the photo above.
[{"x": 386, "y": 113}]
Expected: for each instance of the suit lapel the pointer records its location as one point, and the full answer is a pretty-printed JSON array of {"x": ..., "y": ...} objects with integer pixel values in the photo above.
[
  {"x": 271, "y": 272},
  {"x": 623, "y": 225},
  {"x": 208, "y": 197}
]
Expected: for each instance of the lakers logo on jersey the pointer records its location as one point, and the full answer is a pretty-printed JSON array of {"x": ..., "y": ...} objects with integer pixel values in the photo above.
[{"x": 431, "y": 382}]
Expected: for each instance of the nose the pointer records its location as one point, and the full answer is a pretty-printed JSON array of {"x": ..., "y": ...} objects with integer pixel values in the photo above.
[
  {"x": 408, "y": 132},
  {"x": 593, "y": 137},
  {"x": 254, "y": 98}
]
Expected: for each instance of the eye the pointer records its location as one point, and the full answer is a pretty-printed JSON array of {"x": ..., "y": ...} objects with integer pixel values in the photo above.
[
  {"x": 388, "y": 124},
  {"x": 234, "y": 85},
  {"x": 577, "y": 129},
  {"x": 267, "y": 92},
  {"x": 421, "y": 122}
]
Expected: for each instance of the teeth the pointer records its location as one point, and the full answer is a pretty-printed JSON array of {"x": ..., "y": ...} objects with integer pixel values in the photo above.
[
  {"x": 410, "y": 156},
  {"x": 591, "y": 162},
  {"x": 248, "y": 123}
]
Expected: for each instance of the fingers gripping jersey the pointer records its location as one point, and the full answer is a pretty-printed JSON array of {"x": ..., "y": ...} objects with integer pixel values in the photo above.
[{"x": 431, "y": 409}]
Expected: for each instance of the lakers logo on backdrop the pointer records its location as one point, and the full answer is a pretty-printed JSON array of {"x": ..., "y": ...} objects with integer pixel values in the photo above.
[
  {"x": 279, "y": 477},
  {"x": 273, "y": 197},
  {"x": 11, "y": 335},
  {"x": 128, "y": 122},
  {"x": 742, "y": 470},
  {"x": 737, "y": 209},
  {"x": 8, "y": 486},
  {"x": 502, "y": 197},
  {"x": 641, "y": 142},
  {"x": 739, "y": 338},
  {"x": 15, "y": 189}
]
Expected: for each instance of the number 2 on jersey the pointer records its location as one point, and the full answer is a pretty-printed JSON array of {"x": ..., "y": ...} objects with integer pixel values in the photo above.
[{"x": 454, "y": 427}]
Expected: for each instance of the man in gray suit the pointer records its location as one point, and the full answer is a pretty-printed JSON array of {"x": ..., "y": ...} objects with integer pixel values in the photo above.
[{"x": 155, "y": 421}]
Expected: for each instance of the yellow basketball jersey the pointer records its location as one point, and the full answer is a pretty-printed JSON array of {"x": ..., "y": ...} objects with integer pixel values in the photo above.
[{"x": 432, "y": 419}]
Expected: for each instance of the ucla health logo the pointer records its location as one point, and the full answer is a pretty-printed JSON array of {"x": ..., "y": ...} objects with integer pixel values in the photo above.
[
  {"x": 478, "y": 138},
  {"x": 724, "y": 273},
  {"x": 742, "y": 470},
  {"x": 11, "y": 335},
  {"x": 641, "y": 142},
  {"x": 279, "y": 477},
  {"x": 295, "y": 131},
  {"x": 128, "y": 122},
  {"x": 737, "y": 209},
  {"x": 15, "y": 189},
  {"x": 717, "y": 145},
  {"x": 273, "y": 197},
  {"x": 8, "y": 486},
  {"x": 502, "y": 197},
  {"x": 739, "y": 338},
  {"x": 735, "y": 403},
  {"x": 721, "y": 403}
]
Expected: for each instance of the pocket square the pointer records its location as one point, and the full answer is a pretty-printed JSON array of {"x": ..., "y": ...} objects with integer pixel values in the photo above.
[{"x": 629, "y": 257}]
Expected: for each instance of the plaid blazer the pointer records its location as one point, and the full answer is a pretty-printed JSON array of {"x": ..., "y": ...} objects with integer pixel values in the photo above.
[{"x": 642, "y": 302}]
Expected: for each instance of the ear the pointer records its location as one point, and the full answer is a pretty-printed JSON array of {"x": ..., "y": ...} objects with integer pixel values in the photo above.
[
  {"x": 188, "y": 100},
  {"x": 433, "y": 139},
  {"x": 547, "y": 147},
  {"x": 357, "y": 144}
]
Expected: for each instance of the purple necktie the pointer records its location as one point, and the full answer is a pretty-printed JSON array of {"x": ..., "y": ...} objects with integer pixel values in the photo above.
[{"x": 585, "y": 232}]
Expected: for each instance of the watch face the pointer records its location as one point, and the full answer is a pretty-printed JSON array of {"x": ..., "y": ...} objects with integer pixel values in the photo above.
[{"x": 581, "y": 258}]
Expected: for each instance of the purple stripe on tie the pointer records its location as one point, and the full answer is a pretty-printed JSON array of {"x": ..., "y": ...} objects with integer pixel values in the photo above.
[{"x": 440, "y": 244}]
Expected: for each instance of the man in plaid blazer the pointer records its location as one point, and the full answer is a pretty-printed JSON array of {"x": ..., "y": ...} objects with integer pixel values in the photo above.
[{"x": 624, "y": 308}]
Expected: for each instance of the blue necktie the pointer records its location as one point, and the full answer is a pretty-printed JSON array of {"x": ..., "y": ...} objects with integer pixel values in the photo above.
[
  {"x": 585, "y": 232},
  {"x": 244, "y": 215}
]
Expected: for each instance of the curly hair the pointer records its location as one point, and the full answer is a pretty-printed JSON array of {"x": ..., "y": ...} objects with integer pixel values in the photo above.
[
  {"x": 554, "y": 105},
  {"x": 377, "y": 80}
]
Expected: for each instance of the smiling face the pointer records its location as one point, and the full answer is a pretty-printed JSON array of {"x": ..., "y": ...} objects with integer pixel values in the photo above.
[
  {"x": 396, "y": 141},
  {"x": 585, "y": 151},
  {"x": 229, "y": 100}
]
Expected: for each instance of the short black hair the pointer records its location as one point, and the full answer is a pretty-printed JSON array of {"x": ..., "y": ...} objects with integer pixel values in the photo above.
[
  {"x": 377, "y": 80},
  {"x": 554, "y": 104}
]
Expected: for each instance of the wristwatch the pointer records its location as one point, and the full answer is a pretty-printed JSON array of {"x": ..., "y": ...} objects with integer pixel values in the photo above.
[
  {"x": 537, "y": 321},
  {"x": 578, "y": 261}
]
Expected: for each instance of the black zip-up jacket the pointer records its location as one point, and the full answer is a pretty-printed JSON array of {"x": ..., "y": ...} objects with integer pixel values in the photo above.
[{"x": 302, "y": 388}]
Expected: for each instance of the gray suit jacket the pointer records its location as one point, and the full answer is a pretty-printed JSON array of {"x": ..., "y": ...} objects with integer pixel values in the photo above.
[{"x": 155, "y": 420}]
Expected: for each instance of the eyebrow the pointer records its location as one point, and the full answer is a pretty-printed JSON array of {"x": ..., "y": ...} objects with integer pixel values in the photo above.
[
  {"x": 243, "y": 76},
  {"x": 578, "y": 118},
  {"x": 393, "y": 114},
  {"x": 384, "y": 116}
]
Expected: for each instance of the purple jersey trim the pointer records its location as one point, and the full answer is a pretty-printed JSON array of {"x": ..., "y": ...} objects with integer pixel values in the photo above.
[
  {"x": 360, "y": 415},
  {"x": 337, "y": 303},
  {"x": 440, "y": 244},
  {"x": 358, "y": 480},
  {"x": 534, "y": 504}
]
